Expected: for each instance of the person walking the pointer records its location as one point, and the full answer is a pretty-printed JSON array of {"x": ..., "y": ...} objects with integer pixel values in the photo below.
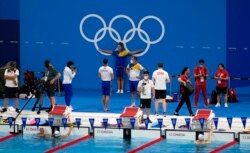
[{"x": 184, "y": 80}]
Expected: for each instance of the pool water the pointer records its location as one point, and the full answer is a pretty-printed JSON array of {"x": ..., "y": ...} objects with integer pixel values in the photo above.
[
  {"x": 32, "y": 144},
  {"x": 187, "y": 146},
  {"x": 106, "y": 145}
]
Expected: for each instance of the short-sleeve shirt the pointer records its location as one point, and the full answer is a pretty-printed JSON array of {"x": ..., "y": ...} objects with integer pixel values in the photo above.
[
  {"x": 120, "y": 58},
  {"x": 200, "y": 70},
  {"x": 51, "y": 73},
  {"x": 10, "y": 83},
  {"x": 184, "y": 78},
  {"x": 222, "y": 74},
  {"x": 146, "y": 89},
  {"x": 105, "y": 73},
  {"x": 134, "y": 71},
  {"x": 160, "y": 76}
]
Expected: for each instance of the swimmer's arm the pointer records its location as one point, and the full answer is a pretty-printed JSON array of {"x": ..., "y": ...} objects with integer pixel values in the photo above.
[
  {"x": 70, "y": 130},
  {"x": 210, "y": 134}
]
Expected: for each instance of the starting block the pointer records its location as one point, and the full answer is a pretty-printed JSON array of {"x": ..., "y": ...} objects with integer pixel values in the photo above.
[
  {"x": 131, "y": 112},
  {"x": 207, "y": 115},
  {"x": 58, "y": 112}
]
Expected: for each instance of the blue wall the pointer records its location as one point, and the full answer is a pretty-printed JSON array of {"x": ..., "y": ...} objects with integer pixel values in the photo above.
[
  {"x": 9, "y": 31},
  {"x": 9, "y": 9},
  {"x": 238, "y": 41},
  {"x": 194, "y": 29}
]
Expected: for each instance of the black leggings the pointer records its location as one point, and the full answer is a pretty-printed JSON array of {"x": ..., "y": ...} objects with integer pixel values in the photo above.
[{"x": 184, "y": 98}]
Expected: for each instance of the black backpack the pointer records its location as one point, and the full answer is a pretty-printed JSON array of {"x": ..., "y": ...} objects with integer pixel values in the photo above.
[{"x": 213, "y": 99}]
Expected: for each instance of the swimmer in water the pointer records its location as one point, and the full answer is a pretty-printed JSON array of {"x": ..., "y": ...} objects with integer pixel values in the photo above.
[
  {"x": 202, "y": 140},
  {"x": 56, "y": 134}
]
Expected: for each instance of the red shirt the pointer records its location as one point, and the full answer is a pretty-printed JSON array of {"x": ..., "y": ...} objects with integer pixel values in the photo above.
[
  {"x": 185, "y": 78},
  {"x": 221, "y": 74},
  {"x": 200, "y": 70}
]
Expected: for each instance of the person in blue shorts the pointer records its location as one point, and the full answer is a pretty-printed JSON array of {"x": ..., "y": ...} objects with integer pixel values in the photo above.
[
  {"x": 120, "y": 61},
  {"x": 133, "y": 71},
  {"x": 105, "y": 73}
]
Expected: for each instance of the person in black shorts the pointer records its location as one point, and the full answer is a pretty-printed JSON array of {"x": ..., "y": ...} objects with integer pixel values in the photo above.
[
  {"x": 221, "y": 76},
  {"x": 11, "y": 85},
  {"x": 146, "y": 91},
  {"x": 51, "y": 77}
]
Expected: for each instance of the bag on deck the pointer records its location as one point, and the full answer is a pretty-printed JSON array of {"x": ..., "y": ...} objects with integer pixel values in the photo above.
[
  {"x": 213, "y": 99},
  {"x": 231, "y": 95}
]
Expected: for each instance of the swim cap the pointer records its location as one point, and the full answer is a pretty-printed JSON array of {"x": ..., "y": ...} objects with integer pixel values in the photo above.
[
  {"x": 201, "y": 137},
  {"x": 57, "y": 134}
]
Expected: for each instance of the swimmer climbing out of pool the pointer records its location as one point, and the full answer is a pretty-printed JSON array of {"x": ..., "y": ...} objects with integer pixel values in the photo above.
[
  {"x": 201, "y": 138},
  {"x": 56, "y": 134}
]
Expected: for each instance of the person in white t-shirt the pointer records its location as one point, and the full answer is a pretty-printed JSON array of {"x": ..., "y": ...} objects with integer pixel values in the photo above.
[
  {"x": 11, "y": 85},
  {"x": 147, "y": 92},
  {"x": 69, "y": 73},
  {"x": 106, "y": 74},
  {"x": 160, "y": 78},
  {"x": 133, "y": 71}
]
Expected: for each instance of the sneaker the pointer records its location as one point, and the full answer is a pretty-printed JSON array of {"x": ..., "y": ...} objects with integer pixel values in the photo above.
[
  {"x": 217, "y": 105},
  {"x": 118, "y": 91},
  {"x": 17, "y": 110},
  {"x": 176, "y": 114},
  {"x": 164, "y": 114},
  {"x": 71, "y": 108},
  {"x": 49, "y": 109},
  {"x": 121, "y": 91},
  {"x": 226, "y": 105},
  {"x": 4, "y": 110},
  {"x": 156, "y": 113}
]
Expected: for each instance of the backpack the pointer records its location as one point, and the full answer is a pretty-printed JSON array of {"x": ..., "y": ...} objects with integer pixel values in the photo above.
[
  {"x": 213, "y": 99},
  {"x": 231, "y": 95}
]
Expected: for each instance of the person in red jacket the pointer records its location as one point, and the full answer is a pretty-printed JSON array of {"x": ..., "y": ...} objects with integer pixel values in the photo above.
[
  {"x": 184, "y": 79},
  {"x": 221, "y": 76},
  {"x": 200, "y": 75}
]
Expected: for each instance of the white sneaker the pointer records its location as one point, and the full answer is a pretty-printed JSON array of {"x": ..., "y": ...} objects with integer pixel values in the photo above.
[
  {"x": 133, "y": 105},
  {"x": 70, "y": 107},
  {"x": 217, "y": 105},
  {"x": 226, "y": 105},
  {"x": 118, "y": 91},
  {"x": 121, "y": 91}
]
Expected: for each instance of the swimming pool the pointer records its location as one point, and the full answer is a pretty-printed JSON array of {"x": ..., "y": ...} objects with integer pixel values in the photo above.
[
  {"x": 32, "y": 144},
  {"x": 181, "y": 146},
  {"x": 107, "y": 145}
]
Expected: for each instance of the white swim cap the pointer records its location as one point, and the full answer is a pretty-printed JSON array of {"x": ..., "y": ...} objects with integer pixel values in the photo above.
[
  {"x": 201, "y": 137},
  {"x": 57, "y": 134}
]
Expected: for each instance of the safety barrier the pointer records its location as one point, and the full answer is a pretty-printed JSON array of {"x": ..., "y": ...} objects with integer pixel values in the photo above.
[{"x": 118, "y": 130}]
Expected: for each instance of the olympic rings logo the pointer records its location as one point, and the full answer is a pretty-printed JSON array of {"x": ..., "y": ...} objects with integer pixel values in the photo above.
[{"x": 128, "y": 36}]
